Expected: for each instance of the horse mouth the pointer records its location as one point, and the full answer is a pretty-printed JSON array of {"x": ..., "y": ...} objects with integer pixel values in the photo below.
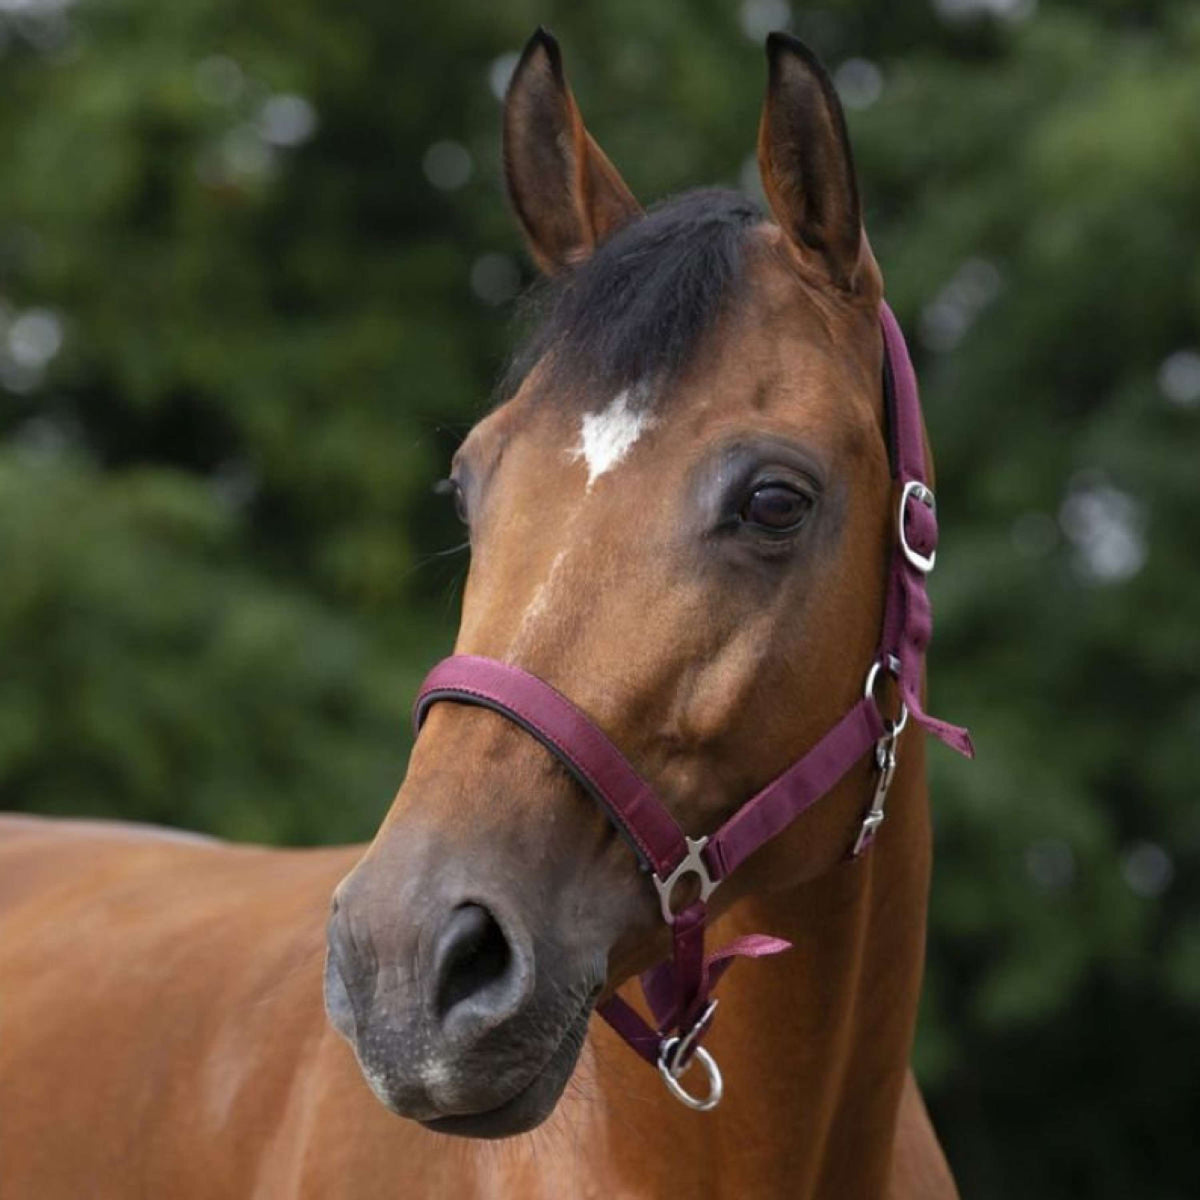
[{"x": 533, "y": 1103}]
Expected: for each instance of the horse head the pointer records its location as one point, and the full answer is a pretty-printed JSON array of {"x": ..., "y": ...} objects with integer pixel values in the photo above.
[{"x": 680, "y": 517}]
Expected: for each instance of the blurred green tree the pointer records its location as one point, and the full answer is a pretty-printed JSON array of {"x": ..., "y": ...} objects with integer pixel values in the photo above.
[{"x": 255, "y": 274}]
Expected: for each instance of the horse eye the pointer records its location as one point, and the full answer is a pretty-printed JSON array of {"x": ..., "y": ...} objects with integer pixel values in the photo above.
[
  {"x": 451, "y": 487},
  {"x": 776, "y": 508}
]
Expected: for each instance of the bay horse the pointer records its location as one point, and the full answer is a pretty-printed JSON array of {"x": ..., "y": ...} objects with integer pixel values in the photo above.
[{"x": 683, "y": 519}]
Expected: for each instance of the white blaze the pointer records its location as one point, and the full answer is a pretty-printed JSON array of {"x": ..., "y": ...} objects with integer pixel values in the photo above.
[
  {"x": 606, "y": 437},
  {"x": 537, "y": 606}
]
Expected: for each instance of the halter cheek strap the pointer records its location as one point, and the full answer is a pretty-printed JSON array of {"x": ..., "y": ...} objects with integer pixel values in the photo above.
[{"x": 678, "y": 990}]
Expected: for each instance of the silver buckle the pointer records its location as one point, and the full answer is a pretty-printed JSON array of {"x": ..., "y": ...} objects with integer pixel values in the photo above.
[
  {"x": 674, "y": 1059},
  {"x": 692, "y": 864},
  {"x": 923, "y": 562}
]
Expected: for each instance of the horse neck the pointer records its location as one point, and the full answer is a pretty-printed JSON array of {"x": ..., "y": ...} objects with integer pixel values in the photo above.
[
  {"x": 814, "y": 1044},
  {"x": 827, "y": 1028}
]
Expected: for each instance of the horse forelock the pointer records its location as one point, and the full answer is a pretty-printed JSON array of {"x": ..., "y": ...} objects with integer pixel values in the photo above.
[{"x": 629, "y": 319}]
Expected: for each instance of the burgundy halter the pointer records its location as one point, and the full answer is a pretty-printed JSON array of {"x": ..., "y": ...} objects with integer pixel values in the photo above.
[{"x": 677, "y": 991}]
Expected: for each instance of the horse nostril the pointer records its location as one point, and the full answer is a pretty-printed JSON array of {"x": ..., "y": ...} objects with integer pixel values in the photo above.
[{"x": 474, "y": 960}]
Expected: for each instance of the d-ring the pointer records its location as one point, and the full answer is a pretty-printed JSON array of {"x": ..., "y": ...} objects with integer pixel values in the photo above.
[
  {"x": 892, "y": 664},
  {"x": 716, "y": 1085}
]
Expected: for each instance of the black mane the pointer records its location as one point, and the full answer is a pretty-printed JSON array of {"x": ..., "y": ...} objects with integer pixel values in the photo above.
[{"x": 638, "y": 307}]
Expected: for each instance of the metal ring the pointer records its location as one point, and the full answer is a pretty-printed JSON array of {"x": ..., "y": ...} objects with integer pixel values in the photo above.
[
  {"x": 893, "y": 667},
  {"x": 892, "y": 663},
  {"x": 716, "y": 1085}
]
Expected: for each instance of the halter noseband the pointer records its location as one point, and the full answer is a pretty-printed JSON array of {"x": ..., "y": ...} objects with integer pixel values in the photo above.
[{"x": 677, "y": 990}]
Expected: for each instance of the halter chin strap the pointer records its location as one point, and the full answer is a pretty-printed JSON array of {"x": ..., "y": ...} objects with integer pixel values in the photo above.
[{"x": 678, "y": 990}]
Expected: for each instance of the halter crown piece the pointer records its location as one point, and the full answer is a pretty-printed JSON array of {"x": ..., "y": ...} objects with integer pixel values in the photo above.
[{"x": 677, "y": 990}]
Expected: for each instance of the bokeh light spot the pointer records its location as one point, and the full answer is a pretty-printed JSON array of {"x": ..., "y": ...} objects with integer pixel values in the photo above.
[
  {"x": 287, "y": 120},
  {"x": 34, "y": 338},
  {"x": 495, "y": 278},
  {"x": 1179, "y": 378},
  {"x": 1106, "y": 527},
  {"x": 859, "y": 83},
  {"x": 1050, "y": 864},
  {"x": 1148, "y": 869},
  {"x": 447, "y": 165},
  {"x": 760, "y": 17},
  {"x": 501, "y": 71},
  {"x": 219, "y": 79}
]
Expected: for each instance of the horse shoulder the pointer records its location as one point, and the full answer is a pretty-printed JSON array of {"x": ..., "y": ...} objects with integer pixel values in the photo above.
[{"x": 157, "y": 983}]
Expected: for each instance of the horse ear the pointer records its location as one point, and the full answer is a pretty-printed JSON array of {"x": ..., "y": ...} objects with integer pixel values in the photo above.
[
  {"x": 567, "y": 195},
  {"x": 808, "y": 170}
]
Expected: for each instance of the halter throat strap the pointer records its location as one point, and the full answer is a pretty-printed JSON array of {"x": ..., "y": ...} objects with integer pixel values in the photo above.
[{"x": 677, "y": 991}]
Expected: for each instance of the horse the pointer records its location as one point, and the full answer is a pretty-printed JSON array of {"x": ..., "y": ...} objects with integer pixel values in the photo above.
[{"x": 683, "y": 528}]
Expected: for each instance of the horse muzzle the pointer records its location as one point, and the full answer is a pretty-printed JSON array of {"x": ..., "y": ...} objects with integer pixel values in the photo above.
[{"x": 452, "y": 1020}]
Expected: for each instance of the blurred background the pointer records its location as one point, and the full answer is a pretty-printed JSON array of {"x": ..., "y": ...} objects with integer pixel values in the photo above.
[{"x": 256, "y": 281}]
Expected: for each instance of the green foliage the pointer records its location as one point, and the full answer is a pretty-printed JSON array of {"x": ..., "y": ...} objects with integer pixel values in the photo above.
[
  {"x": 150, "y": 671},
  {"x": 241, "y": 331}
]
